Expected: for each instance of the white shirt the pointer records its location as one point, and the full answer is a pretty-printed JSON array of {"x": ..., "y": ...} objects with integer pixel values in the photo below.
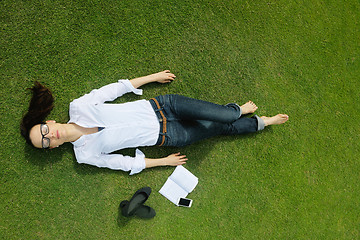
[{"x": 127, "y": 125}]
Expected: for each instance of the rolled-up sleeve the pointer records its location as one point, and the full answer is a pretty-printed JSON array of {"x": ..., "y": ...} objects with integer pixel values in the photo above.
[
  {"x": 118, "y": 162},
  {"x": 130, "y": 87}
]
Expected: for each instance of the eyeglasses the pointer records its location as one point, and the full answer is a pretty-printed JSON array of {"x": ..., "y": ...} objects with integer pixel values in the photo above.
[{"x": 44, "y": 129}]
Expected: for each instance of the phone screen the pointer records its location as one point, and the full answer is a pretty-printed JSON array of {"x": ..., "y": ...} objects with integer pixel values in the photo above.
[{"x": 184, "y": 202}]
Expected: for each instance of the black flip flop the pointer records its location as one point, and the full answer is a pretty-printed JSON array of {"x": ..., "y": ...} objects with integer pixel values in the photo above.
[
  {"x": 135, "y": 205},
  {"x": 145, "y": 212}
]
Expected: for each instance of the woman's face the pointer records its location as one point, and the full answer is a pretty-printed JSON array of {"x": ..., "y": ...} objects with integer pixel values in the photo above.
[{"x": 48, "y": 135}]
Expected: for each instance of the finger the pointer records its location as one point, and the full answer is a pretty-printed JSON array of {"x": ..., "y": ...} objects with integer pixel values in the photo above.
[{"x": 178, "y": 154}]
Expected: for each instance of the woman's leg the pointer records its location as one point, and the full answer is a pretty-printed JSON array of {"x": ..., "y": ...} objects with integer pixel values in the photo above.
[
  {"x": 183, "y": 132},
  {"x": 177, "y": 107},
  {"x": 190, "y": 120}
]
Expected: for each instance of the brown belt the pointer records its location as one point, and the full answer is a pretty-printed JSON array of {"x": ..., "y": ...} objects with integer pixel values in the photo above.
[{"x": 163, "y": 120}]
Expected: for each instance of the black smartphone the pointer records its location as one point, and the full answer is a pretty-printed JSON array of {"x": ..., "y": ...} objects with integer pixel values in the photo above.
[{"x": 185, "y": 202}]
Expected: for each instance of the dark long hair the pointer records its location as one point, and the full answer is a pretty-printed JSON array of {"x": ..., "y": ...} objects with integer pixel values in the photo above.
[{"x": 41, "y": 104}]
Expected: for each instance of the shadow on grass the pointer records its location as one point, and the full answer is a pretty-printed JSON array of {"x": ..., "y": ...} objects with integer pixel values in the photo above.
[
  {"x": 196, "y": 153},
  {"x": 199, "y": 151},
  {"x": 43, "y": 157},
  {"x": 123, "y": 221}
]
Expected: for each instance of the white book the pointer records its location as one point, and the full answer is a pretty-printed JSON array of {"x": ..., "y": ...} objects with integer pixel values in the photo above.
[{"x": 180, "y": 183}]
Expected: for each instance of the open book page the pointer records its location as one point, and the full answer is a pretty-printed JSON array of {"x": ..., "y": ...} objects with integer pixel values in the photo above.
[
  {"x": 180, "y": 183},
  {"x": 172, "y": 191},
  {"x": 184, "y": 178}
]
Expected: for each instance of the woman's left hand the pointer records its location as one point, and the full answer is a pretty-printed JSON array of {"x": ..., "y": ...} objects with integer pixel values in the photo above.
[
  {"x": 171, "y": 160},
  {"x": 175, "y": 159}
]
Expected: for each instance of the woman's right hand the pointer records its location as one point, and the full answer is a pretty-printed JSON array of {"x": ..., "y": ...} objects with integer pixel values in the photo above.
[
  {"x": 160, "y": 77},
  {"x": 163, "y": 77}
]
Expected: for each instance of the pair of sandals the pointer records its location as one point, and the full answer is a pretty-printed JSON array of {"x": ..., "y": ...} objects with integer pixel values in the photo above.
[{"x": 136, "y": 207}]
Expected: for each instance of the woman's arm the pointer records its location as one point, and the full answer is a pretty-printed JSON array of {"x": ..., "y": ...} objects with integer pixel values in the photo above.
[
  {"x": 161, "y": 77},
  {"x": 171, "y": 160}
]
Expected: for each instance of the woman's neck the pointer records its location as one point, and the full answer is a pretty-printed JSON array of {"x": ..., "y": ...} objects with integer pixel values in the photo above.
[{"x": 75, "y": 131}]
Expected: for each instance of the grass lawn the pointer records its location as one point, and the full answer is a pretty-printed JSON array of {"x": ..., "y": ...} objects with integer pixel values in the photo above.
[{"x": 295, "y": 181}]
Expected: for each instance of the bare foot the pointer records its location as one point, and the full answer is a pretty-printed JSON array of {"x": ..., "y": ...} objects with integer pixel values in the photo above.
[
  {"x": 248, "y": 107},
  {"x": 275, "y": 120}
]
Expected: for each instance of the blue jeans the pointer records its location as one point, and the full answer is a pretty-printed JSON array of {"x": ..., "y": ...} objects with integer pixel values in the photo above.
[{"x": 190, "y": 120}]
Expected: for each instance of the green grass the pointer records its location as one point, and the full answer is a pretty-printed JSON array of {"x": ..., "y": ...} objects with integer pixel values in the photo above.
[{"x": 296, "y": 181}]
